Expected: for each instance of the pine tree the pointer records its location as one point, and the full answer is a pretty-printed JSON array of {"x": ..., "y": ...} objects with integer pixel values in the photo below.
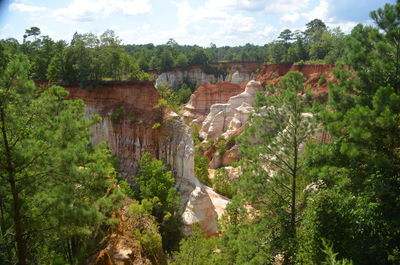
[
  {"x": 361, "y": 165},
  {"x": 272, "y": 162},
  {"x": 56, "y": 188}
]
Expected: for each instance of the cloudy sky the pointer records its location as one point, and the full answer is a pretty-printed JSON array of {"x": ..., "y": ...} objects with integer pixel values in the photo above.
[{"x": 223, "y": 22}]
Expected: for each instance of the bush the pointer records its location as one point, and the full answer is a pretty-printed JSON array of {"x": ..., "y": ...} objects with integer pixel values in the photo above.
[
  {"x": 201, "y": 168},
  {"x": 222, "y": 184},
  {"x": 221, "y": 145},
  {"x": 156, "y": 125},
  {"x": 196, "y": 249},
  {"x": 322, "y": 80},
  {"x": 156, "y": 188},
  {"x": 117, "y": 115}
]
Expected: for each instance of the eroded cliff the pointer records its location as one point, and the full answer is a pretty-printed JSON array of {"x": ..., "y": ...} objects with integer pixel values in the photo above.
[
  {"x": 218, "y": 72},
  {"x": 228, "y": 115},
  {"x": 207, "y": 95},
  {"x": 132, "y": 126}
]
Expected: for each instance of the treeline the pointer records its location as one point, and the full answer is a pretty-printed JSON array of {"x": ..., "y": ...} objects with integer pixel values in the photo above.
[
  {"x": 167, "y": 56},
  {"x": 89, "y": 59},
  {"x": 318, "y": 43},
  {"x": 302, "y": 201},
  {"x": 86, "y": 60}
]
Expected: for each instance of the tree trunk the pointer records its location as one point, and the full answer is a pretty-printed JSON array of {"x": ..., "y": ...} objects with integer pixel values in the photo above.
[{"x": 16, "y": 206}]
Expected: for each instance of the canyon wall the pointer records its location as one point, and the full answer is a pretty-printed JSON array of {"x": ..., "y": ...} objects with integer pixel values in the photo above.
[
  {"x": 235, "y": 73},
  {"x": 220, "y": 112},
  {"x": 127, "y": 115},
  {"x": 207, "y": 105},
  {"x": 317, "y": 76},
  {"x": 131, "y": 126},
  {"x": 207, "y": 95}
]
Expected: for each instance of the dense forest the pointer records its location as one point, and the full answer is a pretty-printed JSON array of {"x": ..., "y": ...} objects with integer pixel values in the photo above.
[
  {"x": 297, "y": 201},
  {"x": 89, "y": 59}
]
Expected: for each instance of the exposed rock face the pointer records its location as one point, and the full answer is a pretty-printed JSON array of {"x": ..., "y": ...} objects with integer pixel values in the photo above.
[
  {"x": 230, "y": 156},
  {"x": 127, "y": 115},
  {"x": 207, "y": 95},
  {"x": 178, "y": 150},
  {"x": 315, "y": 73},
  {"x": 236, "y": 73},
  {"x": 220, "y": 202},
  {"x": 228, "y": 116},
  {"x": 127, "y": 125},
  {"x": 226, "y": 119}
]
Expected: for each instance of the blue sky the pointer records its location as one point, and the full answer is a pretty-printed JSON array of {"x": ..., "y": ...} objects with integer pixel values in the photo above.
[{"x": 223, "y": 22}]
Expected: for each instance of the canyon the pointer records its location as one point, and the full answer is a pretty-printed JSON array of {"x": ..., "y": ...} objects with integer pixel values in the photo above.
[
  {"x": 131, "y": 125},
  {"x": 222, "y": 110}
]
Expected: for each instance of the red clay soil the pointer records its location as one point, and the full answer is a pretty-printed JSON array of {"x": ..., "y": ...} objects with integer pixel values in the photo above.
[
  {"x": 315, "y": 73},
  {"x": 208, "y": 94},
  {"x": 128, "y": 108},
  {"x": 140, "y": 95}
]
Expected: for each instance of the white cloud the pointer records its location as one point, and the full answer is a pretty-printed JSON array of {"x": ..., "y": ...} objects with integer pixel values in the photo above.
[
  {"x": 286, "y": 6},
  {"x": 247, "y": 5},
  {"x": 21, "y": 7},
  {"x": 321, "y": 11},
  {"x": 224, "y": 19},
  {"x": 237, "y": 23},
  {"x": 133, "y": 7},
  {"x": 344, "y": 26},
  {"x": 89, "y": 10},
  {"x": 291, "y": 18},
  {"x": 266, "y": 31}
]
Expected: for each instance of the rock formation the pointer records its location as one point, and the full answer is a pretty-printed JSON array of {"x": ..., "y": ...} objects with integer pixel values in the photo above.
[
  {"x": 317, "y": 76},
  {"x": 226, "y": 119},
  {"x": 227, "y": 116},
  {"x": 128, "y": 114},
  {"x": 128, "y": 119},
  {"x": 207, "y": 95},
  {"x": 235, "y": 73}
]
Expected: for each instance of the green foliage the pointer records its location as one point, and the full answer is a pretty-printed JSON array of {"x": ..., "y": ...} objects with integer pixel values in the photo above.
[
  {"x": 150, "y": 241},
  {"x": 272, "y": 178},
  {"x": 56, "y": 192},
  {"x": 169, "y": 98},
  {"x": 230, "y": 142},
  {"x": 361, "y": 116},
  {"x": 184, "y": 93},
  {"x": 146, "y": 230},
  {"x": 117, "y": 115},
  {"x": 322, "y": 80},
  {"x": 221, "y": 145},
  {"x": 331, "y": 255},
  {"x": 222, "y": 184},
  {"x": 196, "y": 249},
  {"x": 156, "y": 125},
  {"x": 201, "y": 168},
  {"x": 182, "y": 60},
  {"x": 156, "y": 185},
  {"x": 126, "y": 189}
]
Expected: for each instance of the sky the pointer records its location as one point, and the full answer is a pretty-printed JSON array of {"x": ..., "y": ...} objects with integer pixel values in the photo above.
[{"x": 201, "y": 22}]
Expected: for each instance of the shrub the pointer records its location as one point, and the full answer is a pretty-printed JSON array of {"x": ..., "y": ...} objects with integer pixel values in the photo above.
[
  {"x": 156, "y": 125},
  {"x": 221, "y": 145},
  {"x": 117, "y": 114},
  {"x": 322, "y": 80},
  {"x": 201, "y": 168},
  {"x": 222, "y": 184}
]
